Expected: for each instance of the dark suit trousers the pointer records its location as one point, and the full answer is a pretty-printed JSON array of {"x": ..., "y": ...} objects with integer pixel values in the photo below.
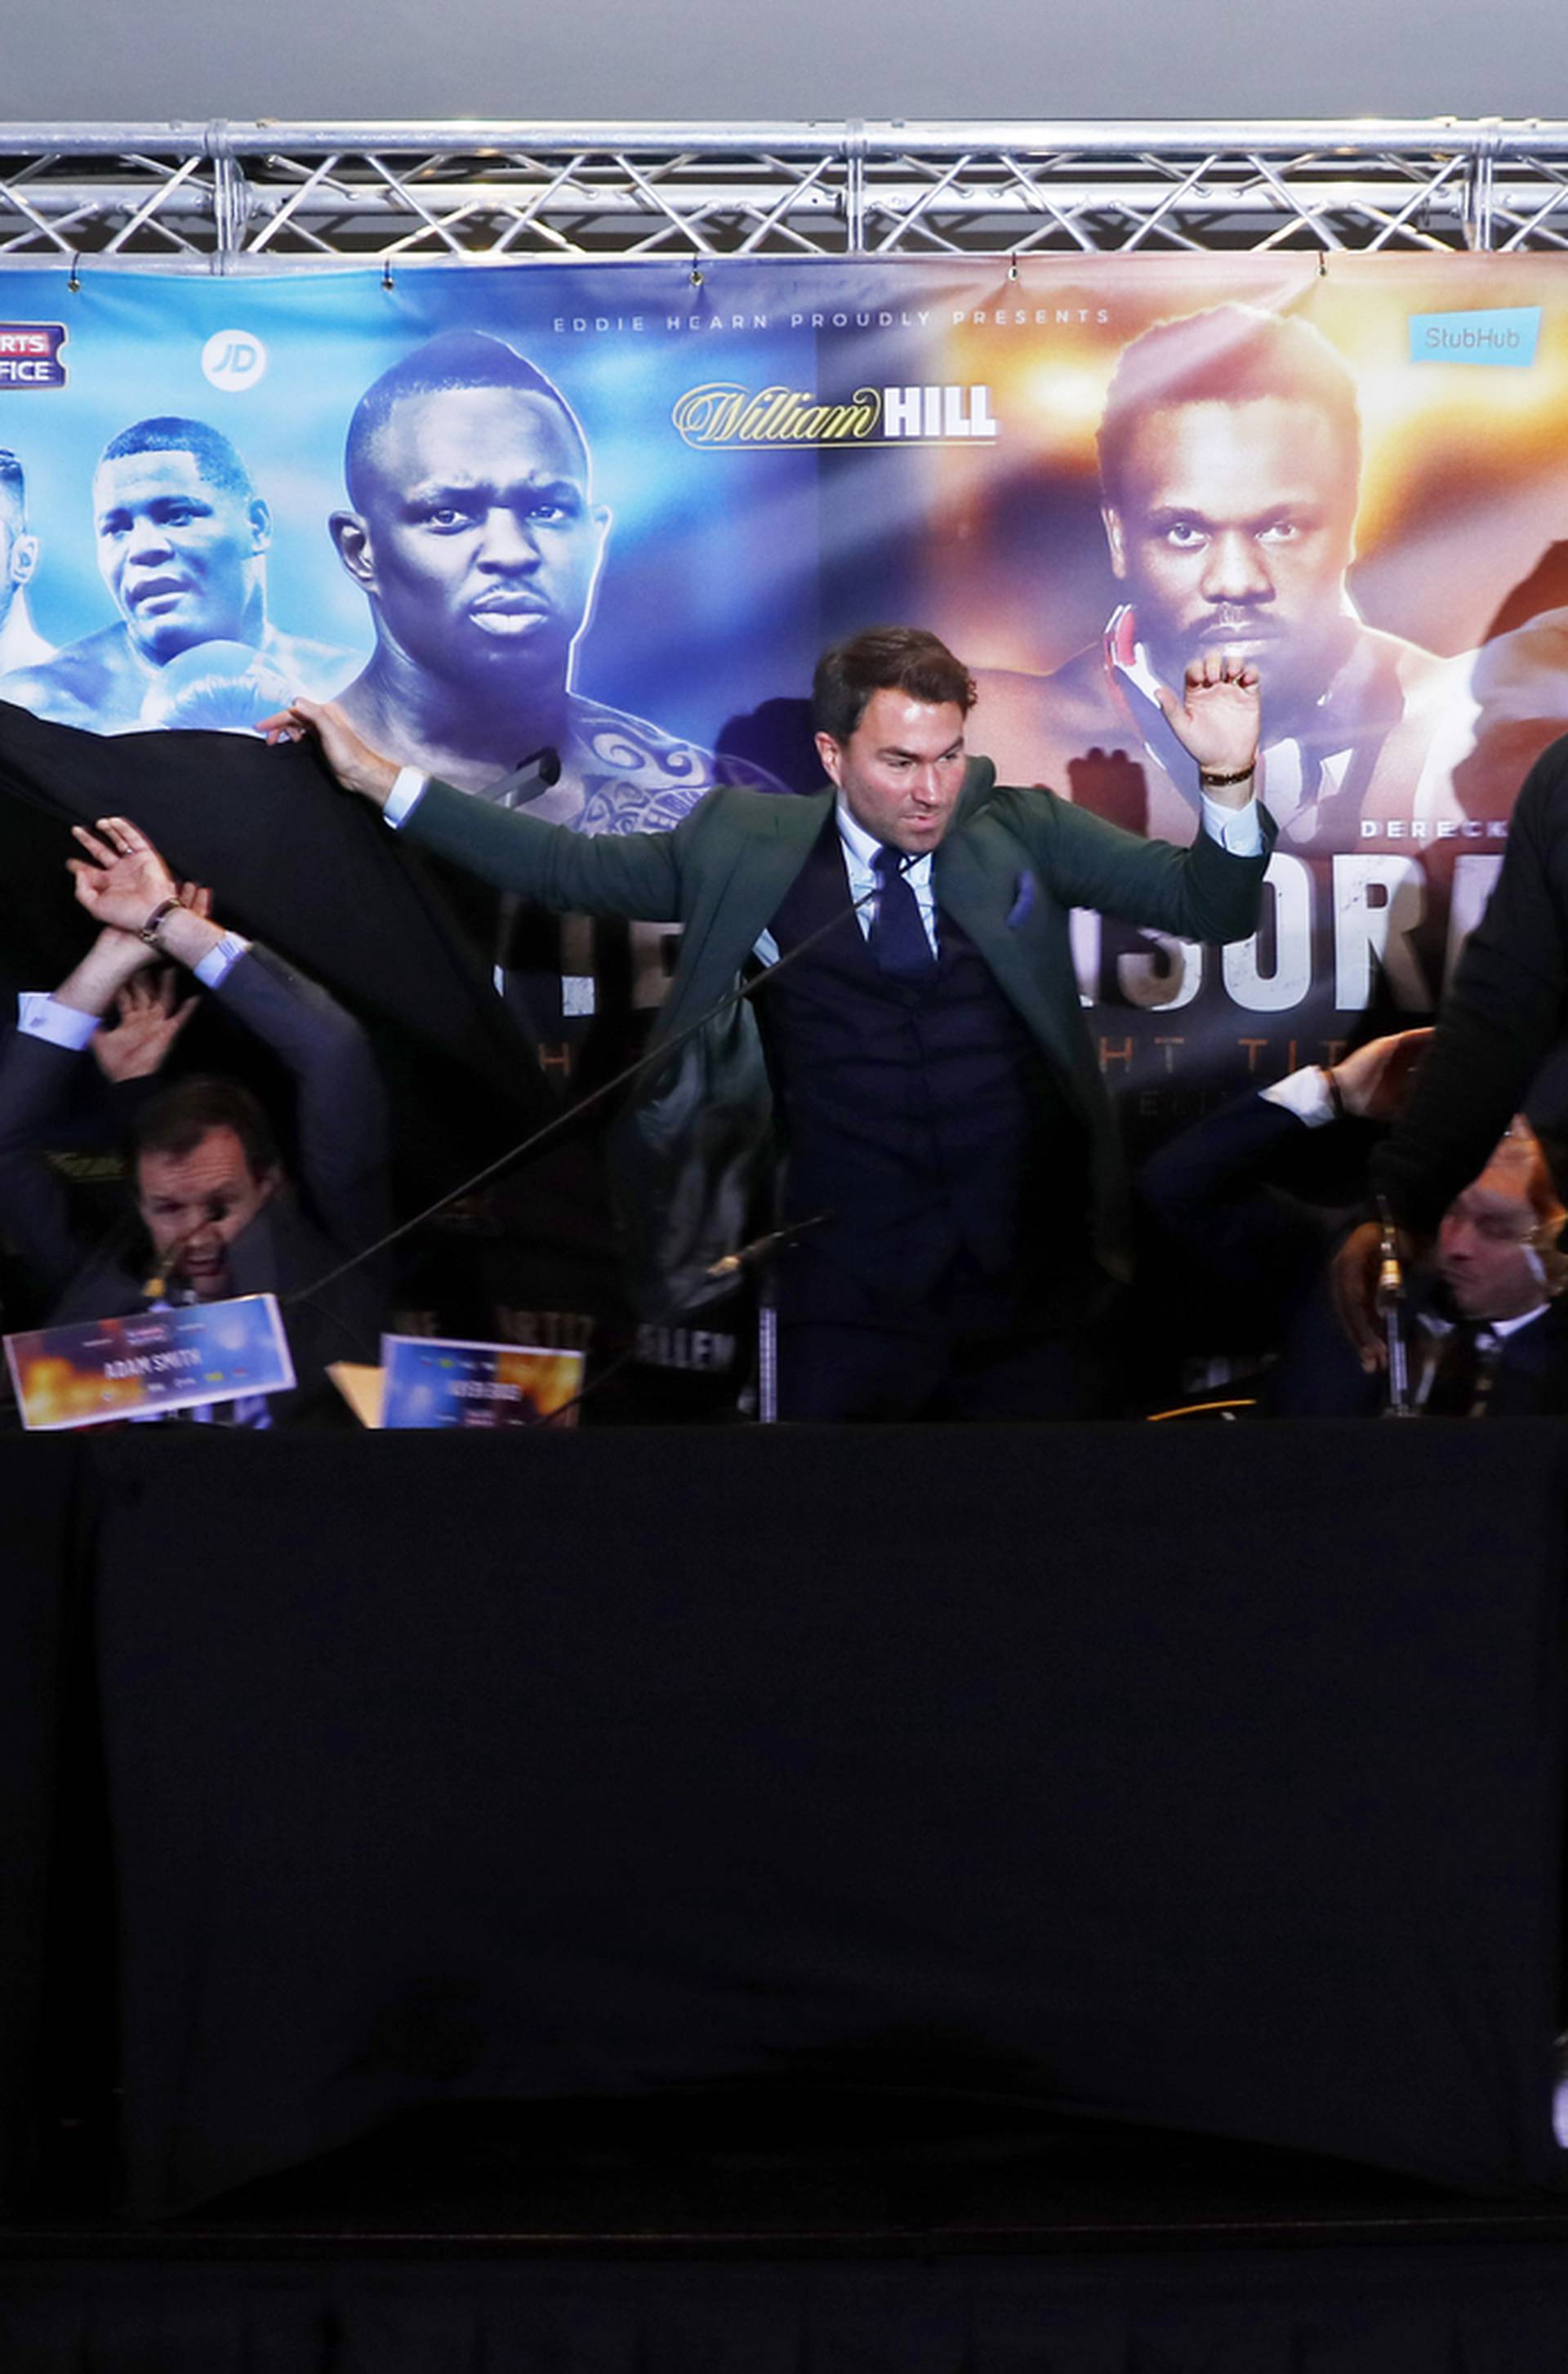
[{"x": 967, "y": 1349}]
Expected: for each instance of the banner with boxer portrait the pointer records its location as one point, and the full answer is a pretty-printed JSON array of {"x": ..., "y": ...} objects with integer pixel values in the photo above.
[{"x": 607, "y": 515}]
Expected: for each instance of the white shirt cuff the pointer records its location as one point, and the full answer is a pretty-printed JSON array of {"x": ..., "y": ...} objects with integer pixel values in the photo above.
[
  {"x": 220, "y": 962},
  {"x": 1237, "y": 830},
  {"x": 1305, "y": 1093},
  {"x": 404, "y": 796},
  {"x": 38, "y": 1016}
]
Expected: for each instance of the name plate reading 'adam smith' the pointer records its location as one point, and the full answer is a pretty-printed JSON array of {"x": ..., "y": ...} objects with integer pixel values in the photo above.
[{"x": 96, "y": 1371}]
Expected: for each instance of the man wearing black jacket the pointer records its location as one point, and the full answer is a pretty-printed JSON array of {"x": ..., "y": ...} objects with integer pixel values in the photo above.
[
  {"x": 214, "y": 1215},
  {"x": 1503, "y": 1015},
  {"x": 1487, "y": 1335}
]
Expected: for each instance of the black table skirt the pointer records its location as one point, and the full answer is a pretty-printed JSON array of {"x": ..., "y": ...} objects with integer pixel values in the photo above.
[
  {"x": 1203, "y": 1777},
  {"x": 45, "y": 1740}
]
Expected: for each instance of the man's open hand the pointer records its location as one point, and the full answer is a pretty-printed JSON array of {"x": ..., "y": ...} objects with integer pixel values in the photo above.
[
  {"x": 1217, "y": 719},
  {"x": 122, "y": 880},
  {"x": 149, "y": 1017}
]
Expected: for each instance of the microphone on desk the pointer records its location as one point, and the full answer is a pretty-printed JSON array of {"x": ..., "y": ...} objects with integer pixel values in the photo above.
[{"x": 747, "y": 1256}]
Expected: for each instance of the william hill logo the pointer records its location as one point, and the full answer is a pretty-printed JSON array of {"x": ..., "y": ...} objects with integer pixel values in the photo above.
[{"x": 722, "y": 415}]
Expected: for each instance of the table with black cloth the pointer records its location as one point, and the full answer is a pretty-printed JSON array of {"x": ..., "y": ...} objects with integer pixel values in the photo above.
[
  {"x": 43, "y": 1581},
  {"x": 1208, "y": 1777}
]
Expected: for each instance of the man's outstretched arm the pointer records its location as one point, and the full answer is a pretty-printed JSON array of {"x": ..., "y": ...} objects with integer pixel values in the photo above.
[
  {"x": 38, "y": 1069},
  {"x": 340, "y": 1102},
  {"x": 550, "y": 865}
]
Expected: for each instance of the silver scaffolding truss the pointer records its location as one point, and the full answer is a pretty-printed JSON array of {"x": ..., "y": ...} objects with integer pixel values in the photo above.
[{"x": 228, "y": 197}]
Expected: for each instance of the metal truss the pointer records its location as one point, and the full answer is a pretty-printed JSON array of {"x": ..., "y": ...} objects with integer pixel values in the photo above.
[{"x": 229, "y": 197}]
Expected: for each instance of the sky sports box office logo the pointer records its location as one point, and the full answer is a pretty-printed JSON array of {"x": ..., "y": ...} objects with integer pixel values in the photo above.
[{"x": 30, "y": 355}]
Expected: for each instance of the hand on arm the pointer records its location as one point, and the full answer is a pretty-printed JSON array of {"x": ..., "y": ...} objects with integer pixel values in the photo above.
[
  {"x": 357, "y": 766},
  {"x": 93, "y": 985},
  {"x": 121, "y": 901},
  {"x": 1217, "y": 718}
]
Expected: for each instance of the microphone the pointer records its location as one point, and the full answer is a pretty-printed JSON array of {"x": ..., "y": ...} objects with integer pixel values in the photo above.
[
  {"x": 155, "y": 1286},
  {"x": 1390, "y": 1306},
  {"x": 747, "y": 1256},
  {"x": 650, "y": 1058},
  {"x": 542, "y": 764}
]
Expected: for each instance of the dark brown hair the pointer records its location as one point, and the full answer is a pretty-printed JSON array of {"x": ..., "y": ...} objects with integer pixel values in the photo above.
[
  {"x": 176, "y": 1120},
  {"x": 885, "y": 659}
]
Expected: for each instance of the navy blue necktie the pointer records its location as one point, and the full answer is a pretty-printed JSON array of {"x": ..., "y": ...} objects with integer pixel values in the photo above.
[{"x": 897, "y": 940}]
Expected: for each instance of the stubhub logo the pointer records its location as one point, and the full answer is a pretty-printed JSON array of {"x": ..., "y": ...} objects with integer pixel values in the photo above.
[{"x": 1504, "y": 335}]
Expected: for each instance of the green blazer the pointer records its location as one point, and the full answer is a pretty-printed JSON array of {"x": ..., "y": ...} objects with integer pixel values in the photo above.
[{"x": 698, "y": 1134}]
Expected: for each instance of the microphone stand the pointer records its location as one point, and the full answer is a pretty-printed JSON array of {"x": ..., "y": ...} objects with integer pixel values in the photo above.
[
  {"x": 729, "y": 1266},
  {"x": 731, "y": 1263},
  {"x": 759, "y": 1252},
  {"x": 573, "y": 1115},
  {"x": 766, "y": 1352}
]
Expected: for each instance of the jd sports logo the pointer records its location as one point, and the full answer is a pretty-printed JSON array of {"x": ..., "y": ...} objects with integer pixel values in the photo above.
[{"x": 233, "y": 360}]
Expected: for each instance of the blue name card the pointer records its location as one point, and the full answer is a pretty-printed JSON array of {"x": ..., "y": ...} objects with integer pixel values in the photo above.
[
  {"x": 429, "y": 1380},
  {"x": 99, "y": 1371}
]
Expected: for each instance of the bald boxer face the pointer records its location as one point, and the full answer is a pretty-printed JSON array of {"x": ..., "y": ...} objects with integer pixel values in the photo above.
[
  {"x": 478, "y": 542},
  {"x": 1231, "y": 527}
]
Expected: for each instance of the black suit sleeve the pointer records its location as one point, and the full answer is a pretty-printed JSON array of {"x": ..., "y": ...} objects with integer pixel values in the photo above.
[
  {"x": 35, "y": 1086},
  {"x": 340, "y": 1101},
  {"x": 1213, "y": 1189},
  {"x": 1500, "y": 1017}
]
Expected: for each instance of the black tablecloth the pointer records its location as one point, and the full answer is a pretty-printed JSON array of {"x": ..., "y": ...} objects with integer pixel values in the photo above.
[
  {"x": 42, "y": 1613},
  {"x": 1209, "y": 1777}
]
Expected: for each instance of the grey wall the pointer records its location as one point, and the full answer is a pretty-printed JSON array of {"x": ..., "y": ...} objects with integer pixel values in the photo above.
[{"x": 308, "y": 59}]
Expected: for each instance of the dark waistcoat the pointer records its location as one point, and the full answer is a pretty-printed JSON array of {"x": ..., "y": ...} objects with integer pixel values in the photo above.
[{"x": 920, "y": 1113}]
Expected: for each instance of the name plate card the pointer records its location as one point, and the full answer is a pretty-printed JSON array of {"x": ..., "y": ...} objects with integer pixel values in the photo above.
[
  {"x": 432, "y": 1381},
  {"x": 98, "y": 1371}
]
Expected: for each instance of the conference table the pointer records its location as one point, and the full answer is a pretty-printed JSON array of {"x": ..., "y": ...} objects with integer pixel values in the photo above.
[{"x": 1205, "y": 1776}]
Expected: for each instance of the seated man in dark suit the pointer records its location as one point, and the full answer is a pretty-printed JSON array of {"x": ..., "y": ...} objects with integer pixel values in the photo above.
[
  {"x": 1487, "y": 1334},
  {"x": 214, "y": 1215}
]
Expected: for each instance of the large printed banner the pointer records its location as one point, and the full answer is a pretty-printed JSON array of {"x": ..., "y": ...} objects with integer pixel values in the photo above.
[{"x": 614, "y": 513}]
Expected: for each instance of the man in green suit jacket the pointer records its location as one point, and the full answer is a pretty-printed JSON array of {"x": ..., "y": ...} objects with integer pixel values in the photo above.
[{"x": 959, "y": 983}]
